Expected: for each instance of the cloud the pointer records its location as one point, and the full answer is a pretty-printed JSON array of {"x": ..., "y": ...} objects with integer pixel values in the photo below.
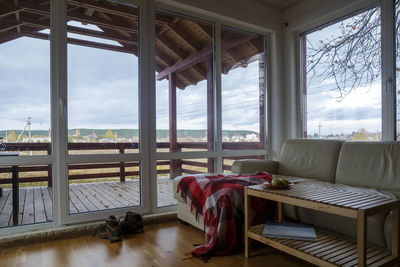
[
  {"x": 103, "y": 93},
  {"x": 359, "y": 109}
]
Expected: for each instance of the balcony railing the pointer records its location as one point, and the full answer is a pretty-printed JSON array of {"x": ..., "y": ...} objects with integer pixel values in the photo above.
[{"x": 172, "y": 167}]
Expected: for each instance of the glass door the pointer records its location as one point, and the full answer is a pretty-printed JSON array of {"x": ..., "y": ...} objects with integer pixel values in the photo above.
[{"x": 103, "y": 106}]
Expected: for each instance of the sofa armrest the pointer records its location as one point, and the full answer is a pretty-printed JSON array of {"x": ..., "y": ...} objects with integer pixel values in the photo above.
[{"x": 254, "y": 165}]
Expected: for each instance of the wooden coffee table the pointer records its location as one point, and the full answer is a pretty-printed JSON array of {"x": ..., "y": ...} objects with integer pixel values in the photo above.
[{"x": 329, "y": 249}]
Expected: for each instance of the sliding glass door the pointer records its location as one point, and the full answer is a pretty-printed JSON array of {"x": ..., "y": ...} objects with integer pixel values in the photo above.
[
  {"x": 26, "y": 180},
  {"x": 103, "y": 106},
  {"x": 90, "y": 128}
]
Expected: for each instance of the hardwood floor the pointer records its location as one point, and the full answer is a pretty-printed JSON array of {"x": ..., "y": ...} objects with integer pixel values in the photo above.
[{"x": 160, "y": 245}]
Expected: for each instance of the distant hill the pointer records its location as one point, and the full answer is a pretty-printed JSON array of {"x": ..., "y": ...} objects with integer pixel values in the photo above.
[{"x": 129, "y": 133}]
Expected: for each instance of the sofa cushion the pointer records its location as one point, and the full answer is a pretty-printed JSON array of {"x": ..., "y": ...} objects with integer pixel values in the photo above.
[
  {"x": 254, "y": 165},
  {"x": 311, "y": 158},
  {"x": 370, "y": 164}
]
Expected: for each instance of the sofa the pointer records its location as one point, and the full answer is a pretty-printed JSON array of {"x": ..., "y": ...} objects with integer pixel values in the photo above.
[{"x": 369, "y": 167}]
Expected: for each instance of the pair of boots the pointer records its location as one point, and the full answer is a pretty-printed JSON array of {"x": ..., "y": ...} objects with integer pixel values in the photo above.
[{"x": 112, "y": 229}]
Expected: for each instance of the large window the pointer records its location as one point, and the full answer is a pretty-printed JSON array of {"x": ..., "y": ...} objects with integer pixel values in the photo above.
[
  {"x": 103, "y": 105},
  {"x": 103, "y": 80},
  {"x": 243, "y": 89},
  {"x": 77, "y": 106},
  {"x": 185, "y": 95},
  {"x": 25, "y": 123},
  {"x": 342, "y": 79},
  {"x": 184, "y": 80}
]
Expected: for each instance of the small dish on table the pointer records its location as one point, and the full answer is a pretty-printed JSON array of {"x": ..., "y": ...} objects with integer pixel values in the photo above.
[{"x": 278, "y": 187}]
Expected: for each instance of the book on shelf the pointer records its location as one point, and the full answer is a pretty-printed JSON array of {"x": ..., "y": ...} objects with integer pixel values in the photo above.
[{"x": 287, "y": 230}]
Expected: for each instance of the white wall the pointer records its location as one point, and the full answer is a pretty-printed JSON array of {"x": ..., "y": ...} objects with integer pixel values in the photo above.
[{"x": 245, "y": 13}]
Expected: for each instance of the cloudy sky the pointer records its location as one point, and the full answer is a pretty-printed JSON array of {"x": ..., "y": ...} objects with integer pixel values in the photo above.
[
  {"x": 103, "y": 91},
  {"x": 103, "y": 94},
  {"x": 359, "y": 109}
]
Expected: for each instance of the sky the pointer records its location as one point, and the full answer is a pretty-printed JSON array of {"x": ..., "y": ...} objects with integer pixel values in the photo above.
[
  {"x": 103, "y": 93},
  {"x": 328, "y": 114}
]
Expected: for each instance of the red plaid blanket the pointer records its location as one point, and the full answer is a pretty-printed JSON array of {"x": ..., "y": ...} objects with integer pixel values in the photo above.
[{"x": 219, "y": 198}]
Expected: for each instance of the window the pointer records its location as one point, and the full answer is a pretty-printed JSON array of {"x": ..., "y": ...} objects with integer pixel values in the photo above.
[
  {"x": 102, "y": 165},
  {"x": 184, "y": 82},
  {"x": 185, "y": 96},
  {"x": 342, "y": 79},
  {"x": 243, "y": 89},
  {"x": 103, "y": 105},
  {"x": 25, "y": 121},
  {"x": 103, "y": 80},
  {"x": 25, "y": 85}
]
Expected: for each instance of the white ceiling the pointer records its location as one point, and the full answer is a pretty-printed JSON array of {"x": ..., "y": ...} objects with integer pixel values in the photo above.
[{"x": 279, "y": 4}]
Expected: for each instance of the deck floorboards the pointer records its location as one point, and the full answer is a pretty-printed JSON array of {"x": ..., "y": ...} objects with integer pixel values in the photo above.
[{"x": 36, "y": 203}]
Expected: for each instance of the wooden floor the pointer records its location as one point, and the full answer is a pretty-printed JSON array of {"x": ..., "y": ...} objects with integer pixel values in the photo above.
[
  {"x": 36, "y": 203},
  {"x": 160, "y": 245}
]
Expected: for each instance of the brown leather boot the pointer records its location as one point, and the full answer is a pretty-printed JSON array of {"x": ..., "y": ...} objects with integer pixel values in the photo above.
[
  {"x": 109, "y": 230},
  {"x": 133, "y": 223}
]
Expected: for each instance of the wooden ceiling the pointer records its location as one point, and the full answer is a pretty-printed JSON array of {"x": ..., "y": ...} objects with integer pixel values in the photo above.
[{"x": 183, "y": 45}]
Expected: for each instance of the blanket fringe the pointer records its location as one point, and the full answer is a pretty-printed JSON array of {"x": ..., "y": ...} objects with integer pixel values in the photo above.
[{"x": 188, "y": 258}]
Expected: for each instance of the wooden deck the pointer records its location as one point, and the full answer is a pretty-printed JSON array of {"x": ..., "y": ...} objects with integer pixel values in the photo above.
[{"x": 36, "y": 203}]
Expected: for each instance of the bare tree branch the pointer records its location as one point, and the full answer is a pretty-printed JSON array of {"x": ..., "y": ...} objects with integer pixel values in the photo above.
[{"x": 352, "y": 58}]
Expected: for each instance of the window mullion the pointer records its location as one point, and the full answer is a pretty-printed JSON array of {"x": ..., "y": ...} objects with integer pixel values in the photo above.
[
  {"x": 218, "y": 99},
  {"x": 388, "y": 70},
  {"x": 59, "y": 137}
]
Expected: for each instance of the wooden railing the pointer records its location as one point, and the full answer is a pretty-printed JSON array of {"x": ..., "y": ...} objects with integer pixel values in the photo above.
[{"x": 175, "y": 167}]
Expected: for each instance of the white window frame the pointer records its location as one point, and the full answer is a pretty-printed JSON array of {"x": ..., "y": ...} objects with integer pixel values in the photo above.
[
  {"x": 219, "y": 153},
  {"x": 148, "y": 154},
  {"x": 388, "y": 65}
]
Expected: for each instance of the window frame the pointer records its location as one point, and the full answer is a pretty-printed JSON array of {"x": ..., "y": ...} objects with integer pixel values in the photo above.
[
  {"x": 147, "y": 155},
  {"x": 388, "y": 65}
]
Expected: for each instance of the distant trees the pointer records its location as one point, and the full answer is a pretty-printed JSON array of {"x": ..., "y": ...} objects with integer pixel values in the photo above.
[
  {"x": 12, "y": 136},
  {"x": 110, "y": 135}
]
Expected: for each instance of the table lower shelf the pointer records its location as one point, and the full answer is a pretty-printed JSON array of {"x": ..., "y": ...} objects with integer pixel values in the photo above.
[{"x": 328, "y": 250}]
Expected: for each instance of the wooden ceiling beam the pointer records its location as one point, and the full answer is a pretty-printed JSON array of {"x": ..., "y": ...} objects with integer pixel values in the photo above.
[
  {"x": 37, "y": 9},
  {"x": 257, "y": 44},
  {"x": 175, "y": 49},
  {"x": 114, "y": 25},
  {"x": 6, "y": 10},
  {"x": 227, "y": 43},
  {"x": 231, "y": 56},
  {"x": 108, "y": 36},
  {"x": 7, "y": 24},
  {"x": 167, "y": 60},
  {"x": 187, "y": 38},
  {"x": 107, "y": 7},
  {"x": 162, "y": 19},
  {"x": 89, "y": 12},
  {"x": 9, "y": 36},
  {"x": 184, "y": 80},
  {"x": 17, "y": 16},
  {"x": 45, "y": 36},
  {"x": 45, "y": 24},
  {"x": 172, "y": 47},
  {"x": 206, "y": 30},
  {"x": 77, "y": 16}
]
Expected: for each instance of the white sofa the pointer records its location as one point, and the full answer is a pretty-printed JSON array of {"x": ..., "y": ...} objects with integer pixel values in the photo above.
[{"x": 372, "y": 167}]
